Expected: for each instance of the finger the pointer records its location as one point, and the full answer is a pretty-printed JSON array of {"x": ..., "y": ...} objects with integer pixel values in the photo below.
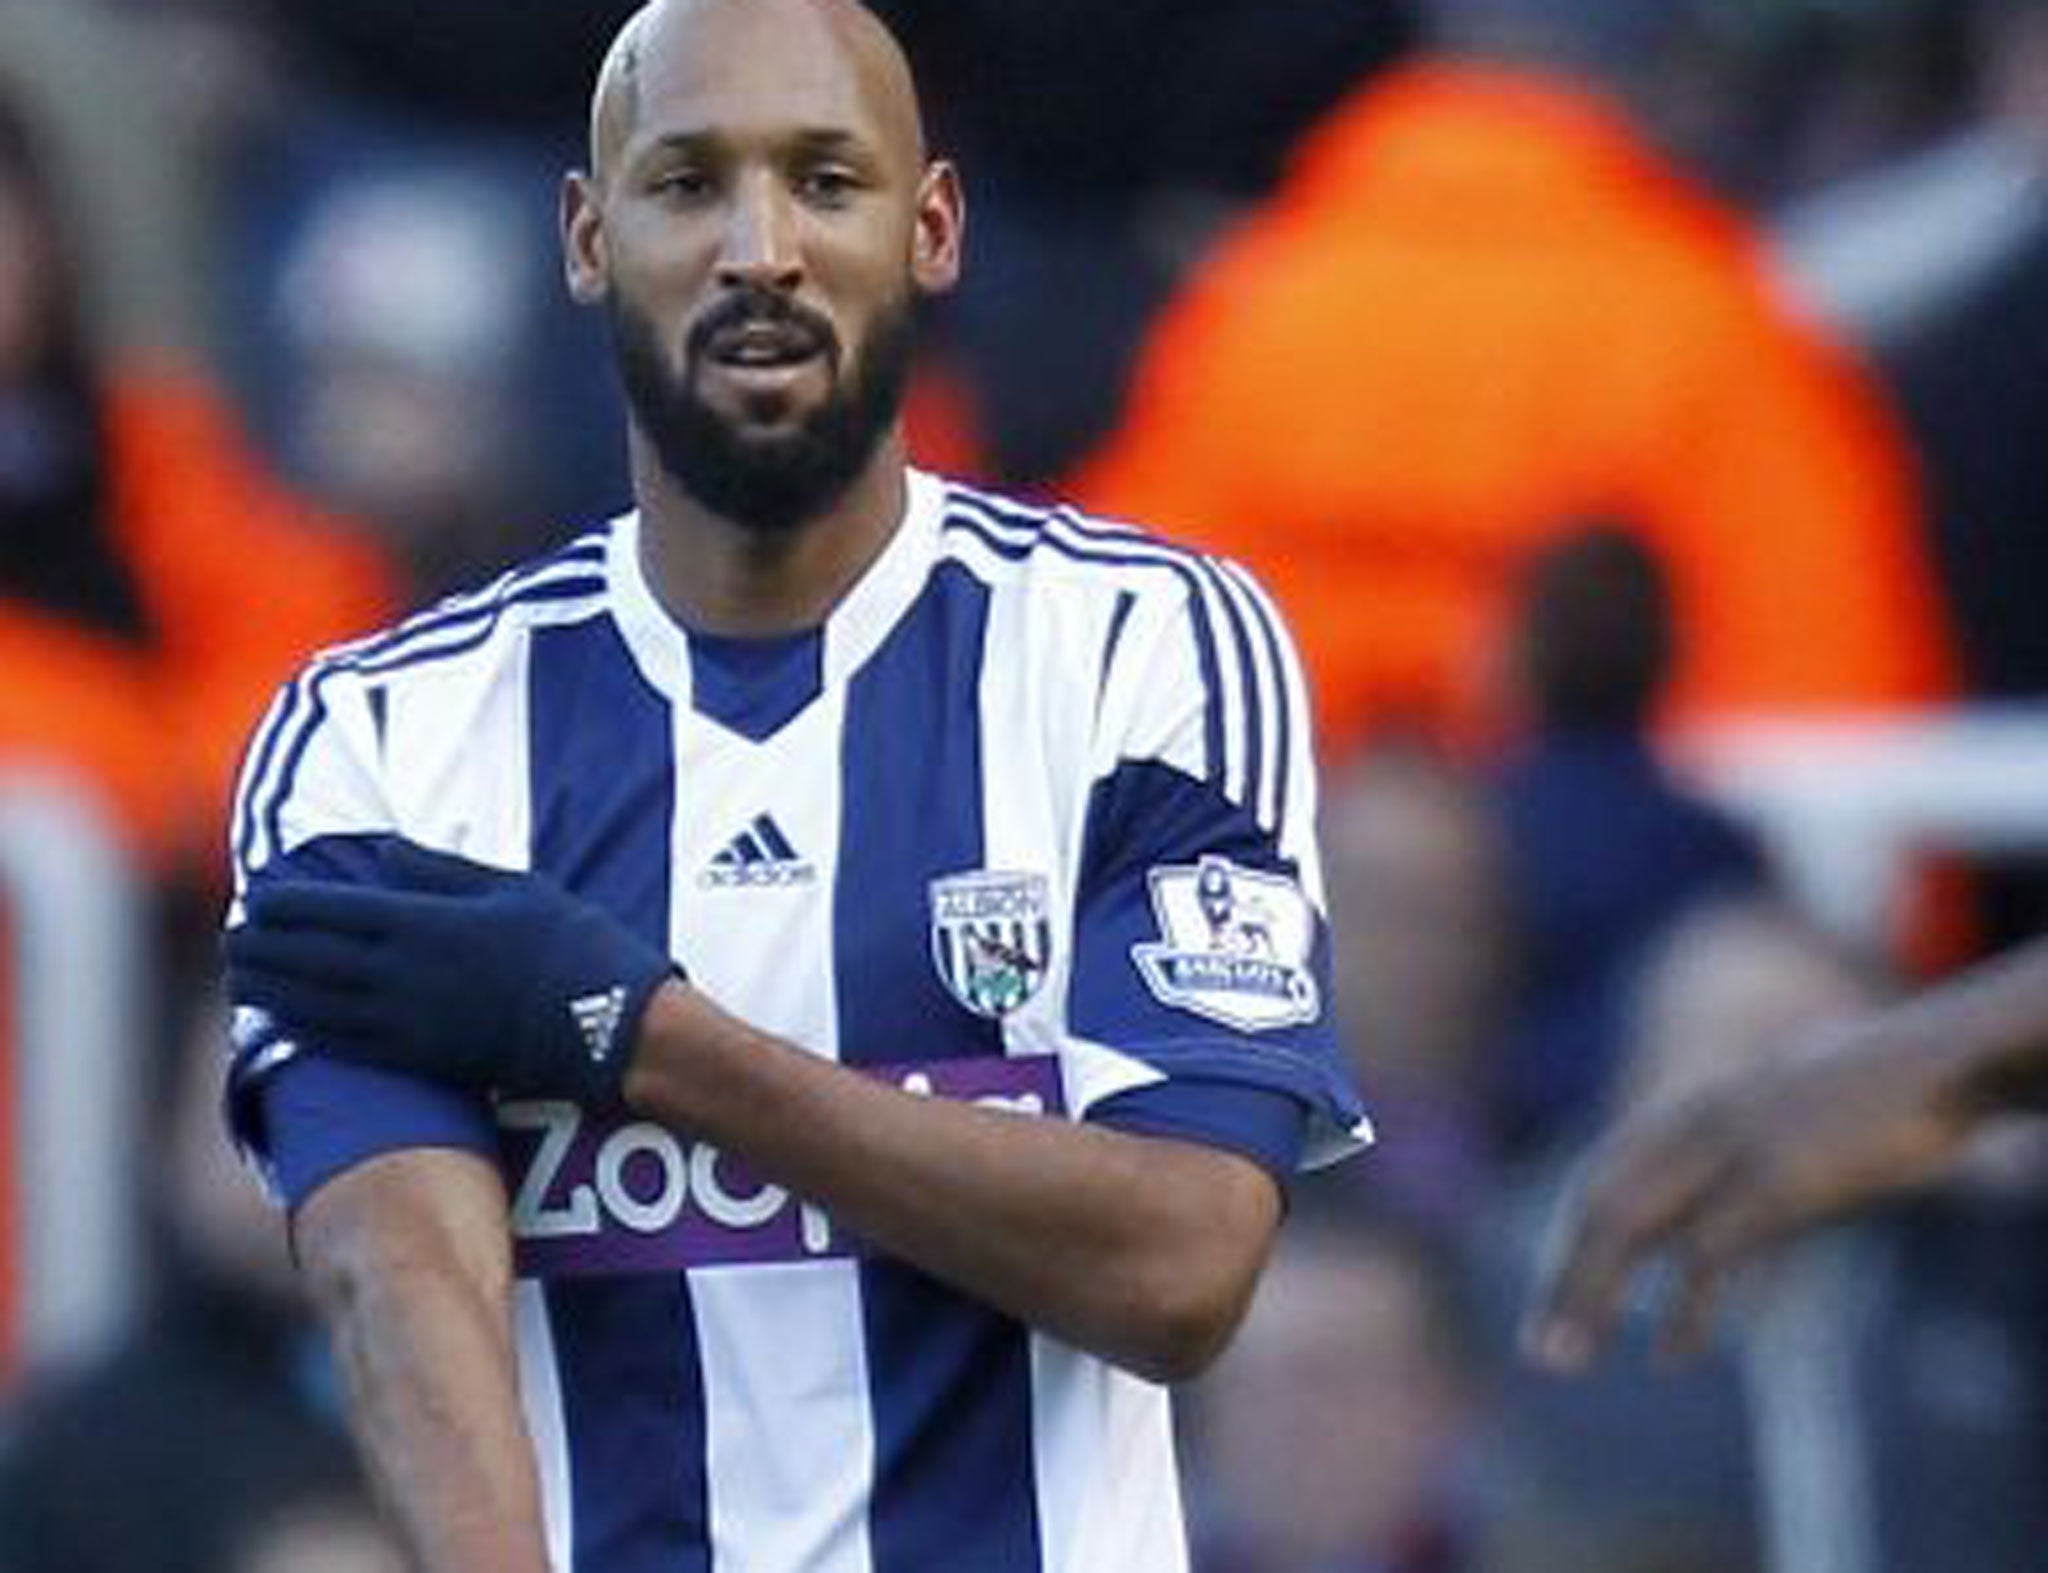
[
  {"x": 430, "y": 872},
  {"x": 301, "y": 1007},
  {"x": 343, "y": 960},
  {"x": 1635, "y": 1199},
  {"x": 1732, "y": 1229},
  {"x": 1687, "y": 1325},
  {"x": 319, "y": 904}
]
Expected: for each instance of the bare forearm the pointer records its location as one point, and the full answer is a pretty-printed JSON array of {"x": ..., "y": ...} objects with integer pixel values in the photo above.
[
  {"x": 1143, "y": 1251},
  {"x": 1986, "y": 1031},
  {"x": 439, "y": 1422},
  {"x": 424, "y": 1343}
]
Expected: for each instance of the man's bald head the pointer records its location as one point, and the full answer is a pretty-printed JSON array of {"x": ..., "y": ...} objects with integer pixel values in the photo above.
[
  {"x": 665, "y": 33},
  {"x": 612, "y": 106}
]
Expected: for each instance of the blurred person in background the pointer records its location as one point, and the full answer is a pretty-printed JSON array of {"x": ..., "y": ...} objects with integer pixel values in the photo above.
[
  {"x": 408, "y": 357},
  {"x": 1339, "y": 1433},
  {"x": 1602, "y": 849},
  {"x": 1662, "y": 956},
  {"x": 1424, "y": 970},
  {"x": 1498, "y": 928},
  {"x": 402, "y": 308},
  {"x": 387, "y": 306},
  {"x": 154, "y": 582},
  {"x": 1484, "y": 304},
  {"x": 218, "y": 1414},
  {"x": 1608, "y": 865}
]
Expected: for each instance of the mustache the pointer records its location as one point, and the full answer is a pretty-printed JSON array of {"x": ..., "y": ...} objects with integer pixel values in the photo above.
[{"x": 753, "y": 305}]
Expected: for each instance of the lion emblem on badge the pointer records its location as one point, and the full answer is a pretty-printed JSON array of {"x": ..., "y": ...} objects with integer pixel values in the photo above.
[{"x": 1234, "y": 945}]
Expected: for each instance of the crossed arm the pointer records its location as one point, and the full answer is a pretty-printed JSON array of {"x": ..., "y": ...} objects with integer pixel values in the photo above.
[{"x": 1140, "y": 1249}]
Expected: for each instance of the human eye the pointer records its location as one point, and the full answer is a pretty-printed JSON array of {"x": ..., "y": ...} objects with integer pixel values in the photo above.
[
  {"x": 680, "y": 183},
  {"x": 828, "y": 185}
]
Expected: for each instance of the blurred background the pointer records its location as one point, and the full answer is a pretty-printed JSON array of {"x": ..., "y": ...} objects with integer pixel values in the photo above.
[{"x": 1641, "y": 411}]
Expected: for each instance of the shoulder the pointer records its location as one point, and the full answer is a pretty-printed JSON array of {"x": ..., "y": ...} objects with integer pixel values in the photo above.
[
  {"x": 1181, "y": 656},
  {"x": 475, "y": 627},
  {"x": 1162, "y": 597},
  {"x": 1062, "y": 550},
  {"x": 1157, "y": 603},
  {"x": 315, "y": 759}
]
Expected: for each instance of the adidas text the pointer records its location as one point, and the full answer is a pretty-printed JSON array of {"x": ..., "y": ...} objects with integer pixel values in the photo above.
[{"x": 750, "y": 875}]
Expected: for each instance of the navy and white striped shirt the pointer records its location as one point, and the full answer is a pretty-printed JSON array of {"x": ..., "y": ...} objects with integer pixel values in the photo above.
[{"x": 1028, "y": 820}]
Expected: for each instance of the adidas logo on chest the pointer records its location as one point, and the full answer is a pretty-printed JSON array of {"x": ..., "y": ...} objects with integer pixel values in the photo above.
[{"x": 759, "y": 857}]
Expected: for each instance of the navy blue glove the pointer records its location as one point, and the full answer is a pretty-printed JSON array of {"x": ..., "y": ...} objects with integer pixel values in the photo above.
[{"x": 455, "y": 971}]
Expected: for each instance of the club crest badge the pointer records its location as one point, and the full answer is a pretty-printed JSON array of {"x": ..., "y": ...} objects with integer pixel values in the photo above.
[
  {"x": 991, "y": 938},
  {"x": 1233, "y": 946}
]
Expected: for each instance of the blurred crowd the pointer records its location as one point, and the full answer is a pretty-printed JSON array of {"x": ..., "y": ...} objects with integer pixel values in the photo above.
[{"x": 1590, "y": 380}]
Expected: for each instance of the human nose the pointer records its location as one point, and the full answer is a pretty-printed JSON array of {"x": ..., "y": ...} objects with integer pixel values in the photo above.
[{"x": 759, "y": 244}]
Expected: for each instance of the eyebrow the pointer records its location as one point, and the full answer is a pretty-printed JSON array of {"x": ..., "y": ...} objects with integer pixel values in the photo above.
[{"x": 820, "y": 139}]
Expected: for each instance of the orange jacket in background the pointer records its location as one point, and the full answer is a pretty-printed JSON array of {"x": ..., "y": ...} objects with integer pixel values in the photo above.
[
  {"x": 84, "y": 707},
  {"x": 239, "y": 582},
  {"x": 1478, "y": 309}
]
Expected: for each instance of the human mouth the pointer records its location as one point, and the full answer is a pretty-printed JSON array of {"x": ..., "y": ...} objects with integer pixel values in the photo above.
[{"x": 765, "y": 346}]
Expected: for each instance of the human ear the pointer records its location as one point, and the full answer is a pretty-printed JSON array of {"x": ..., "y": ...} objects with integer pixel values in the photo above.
[
  {"x": 941, "y": 229},
  {"x": 584, "y": 261}
]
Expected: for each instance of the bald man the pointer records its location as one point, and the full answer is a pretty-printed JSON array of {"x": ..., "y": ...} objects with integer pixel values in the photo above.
[{"x": 783, "y": 1025}]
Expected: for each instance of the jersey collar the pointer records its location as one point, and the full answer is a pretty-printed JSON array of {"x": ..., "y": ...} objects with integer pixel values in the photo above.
[{"x": 854, "y": 630}]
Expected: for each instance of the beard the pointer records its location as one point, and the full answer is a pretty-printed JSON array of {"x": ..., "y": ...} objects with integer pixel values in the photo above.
[{"x": 770, "y": 482}]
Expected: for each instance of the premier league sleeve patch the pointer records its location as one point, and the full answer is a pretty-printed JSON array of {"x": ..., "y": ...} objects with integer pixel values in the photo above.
[{"x": 1233, "y": 946}]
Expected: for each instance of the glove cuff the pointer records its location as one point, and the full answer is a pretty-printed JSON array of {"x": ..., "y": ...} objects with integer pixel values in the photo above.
[{"x": 608, "y": 1023}]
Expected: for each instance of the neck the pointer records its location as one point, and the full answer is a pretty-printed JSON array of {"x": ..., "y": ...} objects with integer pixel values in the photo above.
[{"x": 716, "y": 576}]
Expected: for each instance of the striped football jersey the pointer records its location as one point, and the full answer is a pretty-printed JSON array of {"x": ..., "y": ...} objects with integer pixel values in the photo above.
[{"x": 1028, "y": 821}]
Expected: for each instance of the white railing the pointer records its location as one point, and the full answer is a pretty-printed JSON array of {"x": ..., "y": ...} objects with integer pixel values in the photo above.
[
  {"x": 80, "y": 971},
  {"x": 1843, "y": 805}
]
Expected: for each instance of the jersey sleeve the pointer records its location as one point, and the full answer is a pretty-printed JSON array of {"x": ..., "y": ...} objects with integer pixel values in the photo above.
[
  {"x": 1201, "y": 1000},
  {"x": 311, "y": 806}
]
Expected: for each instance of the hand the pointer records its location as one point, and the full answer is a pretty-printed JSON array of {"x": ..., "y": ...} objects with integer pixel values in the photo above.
[
  {"x": 1723, "y": 1174},
  {"x": 456, "y": 971}
]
